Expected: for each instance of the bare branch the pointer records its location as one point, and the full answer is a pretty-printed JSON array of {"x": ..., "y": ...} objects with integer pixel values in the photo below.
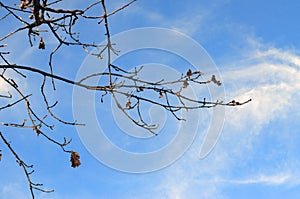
[{"x": 47, "y": 19}]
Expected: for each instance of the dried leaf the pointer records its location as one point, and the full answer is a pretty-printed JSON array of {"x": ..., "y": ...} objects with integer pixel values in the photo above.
[
  {"x": 0, "y": 156},
  {"x": 75, "y": 159},
  {"x": 128, "y": 103},
  {"x": 160, "y": 94},
  {"x": 38, "y": 132},
  {"x": 42, "y": 44}
]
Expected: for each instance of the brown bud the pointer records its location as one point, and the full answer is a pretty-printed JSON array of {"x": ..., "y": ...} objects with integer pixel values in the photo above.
[
  {"x": 214, "y": 80},
  {"x": 189, "y": 73},
  {"x": 233, "y": 102},
  {"x": 75, "y": 159},
  {"x": 23, "y": 4}
]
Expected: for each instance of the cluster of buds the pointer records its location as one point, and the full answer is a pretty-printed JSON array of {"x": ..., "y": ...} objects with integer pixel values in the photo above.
[
  {"x": 235, "y": 103},
  {"x": 214, "y": 80}
]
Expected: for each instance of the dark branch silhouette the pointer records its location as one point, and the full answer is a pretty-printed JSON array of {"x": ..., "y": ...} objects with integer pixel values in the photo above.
[{"x": 42, "y": 17}]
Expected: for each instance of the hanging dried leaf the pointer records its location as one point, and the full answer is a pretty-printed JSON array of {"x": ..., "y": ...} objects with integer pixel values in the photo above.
[
  {"x": 42, "y": 44},
  {"x": 160, "y": 94},
  {"x": 0, "y": 155},
  {"x": 38, "y": 132},
  {"x": 75, "y": 159},
  {"x": 128, "y": 103}
]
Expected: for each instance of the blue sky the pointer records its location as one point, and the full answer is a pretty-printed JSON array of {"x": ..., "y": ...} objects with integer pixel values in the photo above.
[{"x": 256, "y": 47}]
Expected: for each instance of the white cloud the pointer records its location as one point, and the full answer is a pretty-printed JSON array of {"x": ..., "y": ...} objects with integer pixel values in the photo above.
[
  {"x": 286, "y": 56},
  {"x": 277, "y": 179},
  {"x": 271, "y": 79},
  {"x": 3, "y": 87}
]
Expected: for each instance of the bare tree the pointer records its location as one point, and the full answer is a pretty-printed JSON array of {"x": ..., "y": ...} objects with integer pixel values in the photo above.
[{"x": 44, "y": 17}]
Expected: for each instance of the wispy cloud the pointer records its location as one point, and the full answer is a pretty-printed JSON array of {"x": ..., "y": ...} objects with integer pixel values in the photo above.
[
  {"x": 272, "y": 84},
  {"x": 188, "y": 20},
  {"x": 271, "y": 78},
  {"x": 277, "y": 179}
]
